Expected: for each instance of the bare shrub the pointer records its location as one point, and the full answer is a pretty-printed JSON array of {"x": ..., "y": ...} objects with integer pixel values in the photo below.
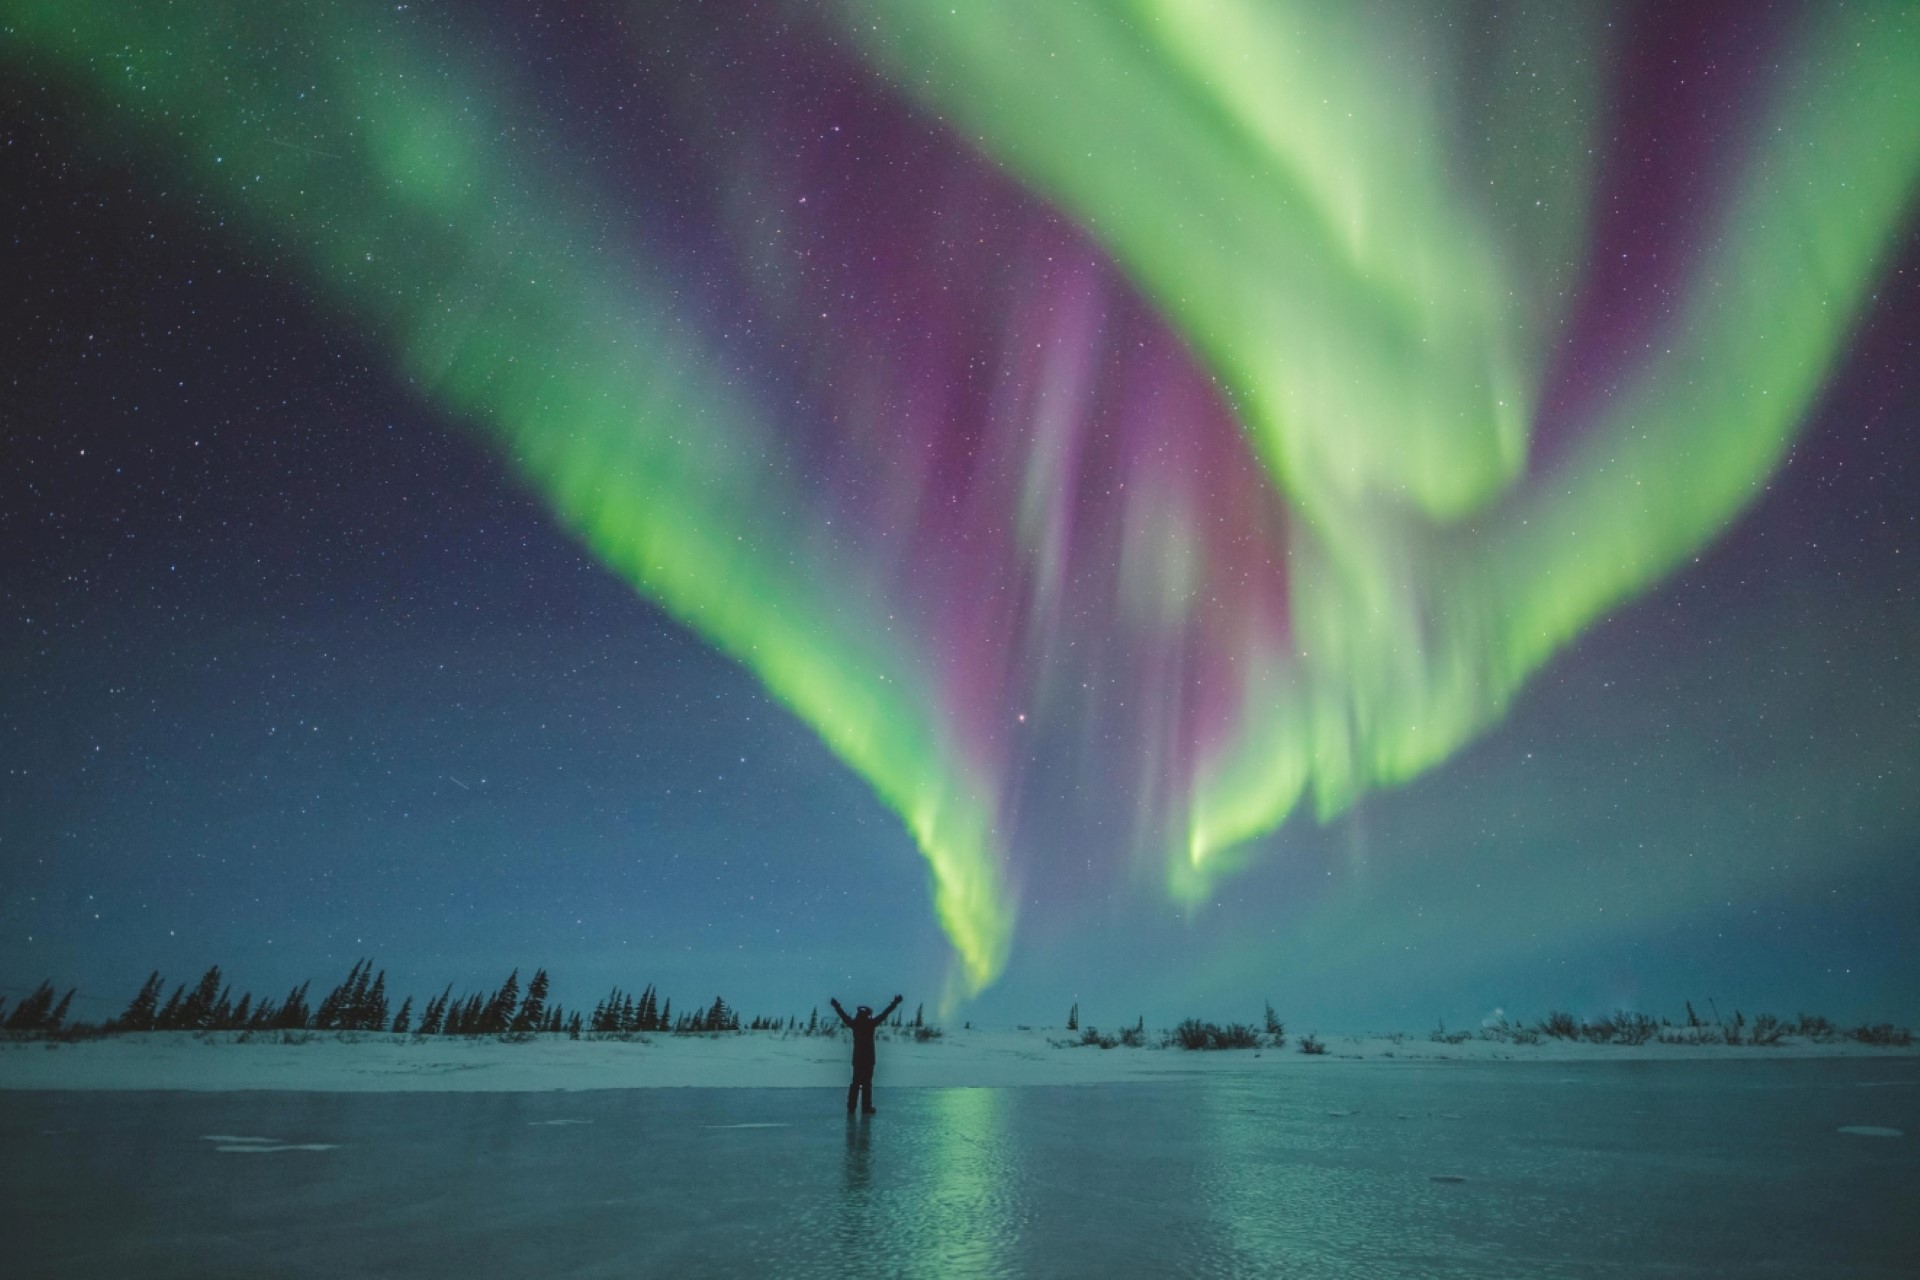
[
  {"x": 1633, "y": 1028},
  {"x": 1195, "y": 1034},
  {"x": 1560, "y": 1025},
  {"x": 1816, "y": 1028}
]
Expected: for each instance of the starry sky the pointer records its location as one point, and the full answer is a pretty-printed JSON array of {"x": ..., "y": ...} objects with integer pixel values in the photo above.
[{"x": 1403, "y": 513}]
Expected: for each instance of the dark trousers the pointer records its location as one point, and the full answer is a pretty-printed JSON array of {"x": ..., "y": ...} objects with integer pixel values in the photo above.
[{"x": 862, "y": 1087}]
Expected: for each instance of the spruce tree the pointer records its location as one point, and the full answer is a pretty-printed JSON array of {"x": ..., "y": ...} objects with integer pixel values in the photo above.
[
  {"x": 32, "y": 1012},
  {"x": 573, "y": 1028},
  {"x": 629, "y": 1016},
  {"x": 666, "y": 1015},
  {"x": 1276, "y": 1030},
  {"x": 333, "y": 1006},
  {"x": 58, "y": 1018},
  {"x": 144, "y": 1007},
  {"x": 436, "y": 1015},
  {"x": 373, "y": 1008},
  {"x": 263, "y": 1015},
  {"x": 242, "y": 1012},
  {"x": 533, "y": 1010},
  {"x": 1073, "y": 1017},
  {"x": 359, "y": 1002},
  {"x": 919, "y": 1016},
  {"x": 499, "y": 1010},
  {"x": 294, "y": 1014},
  {"x": 196, "y": 1011},
  {"x": 403, "y": 1020},
  {"x": 168, "y": 1019}
]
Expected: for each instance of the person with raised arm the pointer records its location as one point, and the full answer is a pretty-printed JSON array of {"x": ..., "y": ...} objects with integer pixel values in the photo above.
[{"x": 862, "y": 1023}]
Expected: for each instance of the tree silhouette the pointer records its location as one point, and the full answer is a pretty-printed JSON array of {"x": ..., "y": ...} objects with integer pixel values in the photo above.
[
  {"x": 293, "y": 1014},
  {"x": 436, "y": 1014},
  {"x": 168, "y": 1019},
  {"x": 338, "y": 1001},
  {"x": 499, "y": 1010},
  {"x": 31, "y": 1014},
  {"x": 533, "y": 1010},
  {"x": 144, "y": 1007},
  {"x": 403, "y": 1019},
  {"x": 370, "y": 1011},
  {"x": 196, "y": 1011}
]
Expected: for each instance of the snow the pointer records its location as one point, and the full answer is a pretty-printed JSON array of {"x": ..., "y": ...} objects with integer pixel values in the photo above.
[{"x": 349, "y": 1062}]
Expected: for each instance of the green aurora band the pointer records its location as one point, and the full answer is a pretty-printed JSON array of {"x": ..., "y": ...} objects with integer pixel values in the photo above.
[
  {"x": 380, "y": 168},
  {"x": 1278, "y": 176},
  {"x": 1376, "y": 286}
]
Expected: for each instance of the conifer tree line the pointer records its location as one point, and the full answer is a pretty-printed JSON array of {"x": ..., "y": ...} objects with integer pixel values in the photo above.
[
  {"x": 37, "y": 1012},
  {"x": 362, "y": 1002},
  {"x": 623, "y": 1013},
  {"x": 359, "y": 1003}
]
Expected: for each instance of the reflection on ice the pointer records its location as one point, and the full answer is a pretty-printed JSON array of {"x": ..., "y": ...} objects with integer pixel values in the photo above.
[{"x": 1486, "y": 1170}]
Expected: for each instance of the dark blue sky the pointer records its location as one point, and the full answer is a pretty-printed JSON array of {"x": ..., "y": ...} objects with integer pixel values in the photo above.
[{"x": 293, "y": 672}]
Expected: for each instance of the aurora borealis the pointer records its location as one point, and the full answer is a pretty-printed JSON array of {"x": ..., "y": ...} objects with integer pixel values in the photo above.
[{"x": 1130, "y": 432}]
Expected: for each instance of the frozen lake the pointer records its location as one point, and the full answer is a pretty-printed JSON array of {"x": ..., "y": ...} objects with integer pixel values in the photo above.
[{"x": 1787, "y": 1168}]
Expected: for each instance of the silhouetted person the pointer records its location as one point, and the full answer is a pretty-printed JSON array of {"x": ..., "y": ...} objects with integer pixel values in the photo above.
[{"x": 862, "y": 1024}]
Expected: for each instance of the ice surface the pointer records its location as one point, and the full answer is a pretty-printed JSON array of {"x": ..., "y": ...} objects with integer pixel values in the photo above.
[{"x": 1356, "y": 1169}]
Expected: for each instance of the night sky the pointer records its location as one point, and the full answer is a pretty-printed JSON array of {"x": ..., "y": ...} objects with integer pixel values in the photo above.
[{"x": 1404, "y": 513}]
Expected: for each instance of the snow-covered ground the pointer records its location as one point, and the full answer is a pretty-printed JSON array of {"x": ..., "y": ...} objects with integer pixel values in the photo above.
[{"x": 376, "y": 1062}]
